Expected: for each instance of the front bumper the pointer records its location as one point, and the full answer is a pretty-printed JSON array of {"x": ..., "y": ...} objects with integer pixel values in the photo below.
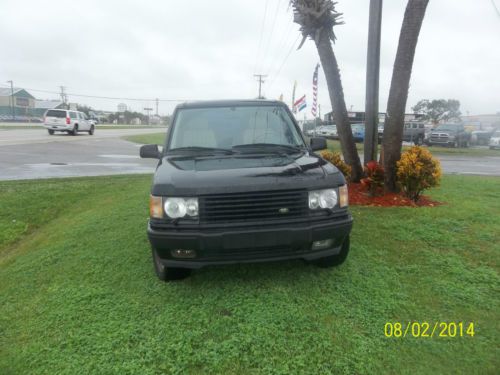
[
  {"x": 58, "y": 127},
  {"x": 250, "y": 243}
]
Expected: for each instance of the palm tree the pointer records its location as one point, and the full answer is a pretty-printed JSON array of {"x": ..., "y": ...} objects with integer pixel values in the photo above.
[
  {"x": 317, "y": 19},
  {"x": 398, "y": 94}
]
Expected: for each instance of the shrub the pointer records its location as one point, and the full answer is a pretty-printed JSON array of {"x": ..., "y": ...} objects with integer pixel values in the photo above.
[
  {"x": 374, "y": 180},
  {"x": 336, "y": 159},
  {"x": 417, "y": 170}
]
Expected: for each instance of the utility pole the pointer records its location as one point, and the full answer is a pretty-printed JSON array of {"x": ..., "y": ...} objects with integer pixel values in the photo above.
[
  {"x": 372, "y": 81},
  {"x": 261, "y": 81},
  {"x": 157, "y": 102},
  {"x": 148, "y": 110},
  {"x": 64, "y": 97},
  {"x": 12, "y": 108}
]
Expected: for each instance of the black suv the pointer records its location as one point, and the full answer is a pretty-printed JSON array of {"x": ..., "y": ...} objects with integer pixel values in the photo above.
[{"x": 236, "y": 182}]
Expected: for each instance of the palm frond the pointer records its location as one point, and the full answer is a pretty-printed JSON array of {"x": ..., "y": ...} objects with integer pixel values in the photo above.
[{"x": 316, "y": 17}]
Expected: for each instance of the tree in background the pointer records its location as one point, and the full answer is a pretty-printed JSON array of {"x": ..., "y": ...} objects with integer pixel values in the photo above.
[
  {"x": 438, "y": 109},
  {"x": 398, "y": 93},
  {"x": 317, "y": 19},
  {"x": 84, "y": 108}
]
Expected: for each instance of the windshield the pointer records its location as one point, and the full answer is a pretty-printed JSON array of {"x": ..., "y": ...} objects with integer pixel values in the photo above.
[
  {"x": 226, "y": 127},
  {"x": 55, "y": 113},
  {"x": 446, "y": 127}
]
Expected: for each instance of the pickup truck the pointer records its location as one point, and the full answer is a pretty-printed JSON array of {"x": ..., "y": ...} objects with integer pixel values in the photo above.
[
  {"x": 453, "y": 135},
  {"x": 236, "y": 182}
]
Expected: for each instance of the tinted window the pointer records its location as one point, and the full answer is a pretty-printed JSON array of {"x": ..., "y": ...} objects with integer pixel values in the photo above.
[
  {"x": 225, "y": 127},
  {"x": 56, "y": 113},
  {"x": 72, "y": 115}
]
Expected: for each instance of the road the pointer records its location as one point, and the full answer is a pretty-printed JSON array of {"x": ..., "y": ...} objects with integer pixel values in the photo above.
[{"x": 30, "y": 154}]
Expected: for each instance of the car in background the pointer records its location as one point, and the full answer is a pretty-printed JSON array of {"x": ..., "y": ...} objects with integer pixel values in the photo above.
[
  {"x": 453, "y": 135},
  {"x": 313, "y": 132},
  {"x": 358, "y": 132},
  {"x": 414, "y": 132},
  {"x": 495, "y": 140},
  {"x": 380, "y": 131},
  {"x": 481, "y": 137},
  {"x": 328, "y": 131},
  {"x": 67, "y": 121}
]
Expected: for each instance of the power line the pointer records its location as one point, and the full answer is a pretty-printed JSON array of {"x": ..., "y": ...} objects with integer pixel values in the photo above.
[
  {"x": 269, "y": 38},
  {"x": 284, "y": 61},
  {"x": 66, "y": 94},
  {"x": 282, "y": 44},
  {"x": 261, "y": 34}
]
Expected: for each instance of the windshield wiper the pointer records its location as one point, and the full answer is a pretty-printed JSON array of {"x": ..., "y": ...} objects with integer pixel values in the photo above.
[
  {"x": 199, "y": 149},
  {"x": 269, "y": 147}
]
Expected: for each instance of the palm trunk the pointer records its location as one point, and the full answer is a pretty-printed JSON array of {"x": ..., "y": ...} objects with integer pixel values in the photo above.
[
  {"x": 398, "y": 94},
  {"x": 334, "y": 83}
]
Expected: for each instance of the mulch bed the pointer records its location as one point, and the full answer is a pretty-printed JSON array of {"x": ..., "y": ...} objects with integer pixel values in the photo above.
[{"x": 359, "y": 196}]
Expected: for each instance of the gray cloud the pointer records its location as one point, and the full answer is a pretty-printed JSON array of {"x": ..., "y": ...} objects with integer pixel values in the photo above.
[{"x": 205, "y": 50}]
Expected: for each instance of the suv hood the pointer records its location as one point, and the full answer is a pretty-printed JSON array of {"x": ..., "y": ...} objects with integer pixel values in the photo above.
[{"x": 193, "y": 176}]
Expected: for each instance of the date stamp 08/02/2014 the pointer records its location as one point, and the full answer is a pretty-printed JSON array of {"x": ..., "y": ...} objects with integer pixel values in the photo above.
[{"x": 429, "y": 330}]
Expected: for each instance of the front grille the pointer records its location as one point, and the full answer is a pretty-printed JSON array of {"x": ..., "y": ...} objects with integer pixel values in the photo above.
[
  {"x": 439, "y": 137},
  {"x": 253, "y": 206}
]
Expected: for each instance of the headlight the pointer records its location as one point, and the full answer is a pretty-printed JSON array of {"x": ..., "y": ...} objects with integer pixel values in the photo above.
[
  {"x": 179, "y": 207},
  {"x": 326, "y": 198},
  {"x": 173, "y": 207}
]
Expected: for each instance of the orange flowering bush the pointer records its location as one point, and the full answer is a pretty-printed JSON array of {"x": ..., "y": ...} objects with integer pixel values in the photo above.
[
  {"x": 336, "y": 159},
  {"x": 374, "y": 180},
  {"x": 417, "y": 170}
]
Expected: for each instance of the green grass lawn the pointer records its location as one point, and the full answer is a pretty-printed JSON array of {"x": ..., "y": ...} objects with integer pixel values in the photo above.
[
  {"x": 334, "y": 145},
  {"x": 152, "y": 138},
  {"x": 78, "y": 292}
]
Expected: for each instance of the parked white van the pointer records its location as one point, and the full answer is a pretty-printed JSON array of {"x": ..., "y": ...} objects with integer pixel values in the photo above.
[{"x": 71, "y": 122}]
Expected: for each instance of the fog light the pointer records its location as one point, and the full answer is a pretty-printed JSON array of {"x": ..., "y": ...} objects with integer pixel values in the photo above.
[
  {"x": 182, "y": 253},
  {"x": 323, "y": 244}
]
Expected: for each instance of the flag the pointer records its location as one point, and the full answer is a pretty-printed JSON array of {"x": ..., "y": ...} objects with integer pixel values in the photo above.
[
  {"x": 294, "y": 110},
  {"x": 314, "y": 107},
  {"x": 300, "y": 104}
]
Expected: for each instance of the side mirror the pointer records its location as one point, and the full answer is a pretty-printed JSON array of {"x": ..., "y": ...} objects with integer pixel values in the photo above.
[
  {"x": 318, "y": 144},
  {"x": 149, "y": 152}
]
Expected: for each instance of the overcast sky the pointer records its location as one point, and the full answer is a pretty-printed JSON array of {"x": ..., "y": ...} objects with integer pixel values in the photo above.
[{"x": 211, "y": 49}]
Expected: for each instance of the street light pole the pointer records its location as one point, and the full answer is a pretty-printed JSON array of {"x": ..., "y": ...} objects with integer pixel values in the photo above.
[
  {"x": 12, "y": 108},
  {"x": 372, "y": 81}
]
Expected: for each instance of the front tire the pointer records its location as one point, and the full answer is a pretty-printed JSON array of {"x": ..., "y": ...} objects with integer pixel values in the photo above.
[
  {"x": 91, "y": 131},
  {"x": 51, "y": 132},
  {"x": 334, "y": 260},
  {"x": 168, "y": 273}
]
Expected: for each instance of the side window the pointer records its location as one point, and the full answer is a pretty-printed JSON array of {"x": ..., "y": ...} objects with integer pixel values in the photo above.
[
  {"x": 73, "y": 115},
  {"x": 414, "y": 126}
]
